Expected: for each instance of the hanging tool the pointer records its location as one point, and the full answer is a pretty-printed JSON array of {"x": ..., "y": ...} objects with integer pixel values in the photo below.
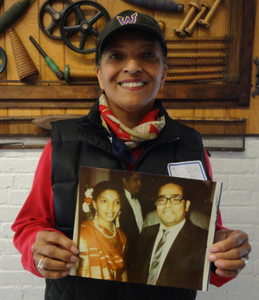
[
  {"x": 166, "y": 5},
  {"x": 193, "y": 8},
  {"x": 4, "y": 60},
  {"x": 13, "y": 13},
  {"x": 86, "y": 27},
  {"x": 79, "y": 75},
  {"x": 48, "y": 60},
  {"x": 256, "y": 90},
  {"x": 189, "y": 29},
  {"x": 24, "y": 63},
  {"x": 52, "y": 28},
  {"x": 205, "y": 22}
]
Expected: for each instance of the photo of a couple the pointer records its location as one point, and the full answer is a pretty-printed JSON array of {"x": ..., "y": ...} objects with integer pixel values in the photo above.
[{"x": 144, "y": 228}]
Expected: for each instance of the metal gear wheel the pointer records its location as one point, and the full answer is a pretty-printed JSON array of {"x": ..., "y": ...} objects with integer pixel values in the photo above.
[
  {"x": 81, "y": 37},
  {"x": 54, "y": 17}
]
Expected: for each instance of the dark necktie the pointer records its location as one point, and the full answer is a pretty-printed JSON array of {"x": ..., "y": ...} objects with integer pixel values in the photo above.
[{"x": 153, "y": 272}]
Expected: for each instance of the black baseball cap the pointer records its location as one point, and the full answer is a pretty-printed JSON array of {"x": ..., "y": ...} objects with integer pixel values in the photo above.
[{"x": 128, "y": 20}]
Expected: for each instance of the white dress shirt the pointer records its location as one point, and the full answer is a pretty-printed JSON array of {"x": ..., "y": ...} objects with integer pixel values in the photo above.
[{"x": 134, "y": 203}]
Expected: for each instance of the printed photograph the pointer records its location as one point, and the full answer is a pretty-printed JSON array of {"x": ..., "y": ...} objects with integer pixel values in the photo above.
[{"x": 145, "y": 228}]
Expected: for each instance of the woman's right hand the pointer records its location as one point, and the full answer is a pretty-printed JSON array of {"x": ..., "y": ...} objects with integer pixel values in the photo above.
[{"x": 54, "y": 254}]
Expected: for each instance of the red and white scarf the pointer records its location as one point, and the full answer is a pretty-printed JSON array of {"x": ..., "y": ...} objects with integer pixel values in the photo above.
[{"x": 148, "y": 129}]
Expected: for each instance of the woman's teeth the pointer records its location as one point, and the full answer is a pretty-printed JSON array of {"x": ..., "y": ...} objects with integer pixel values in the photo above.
[{"x": 132, "y": 84}]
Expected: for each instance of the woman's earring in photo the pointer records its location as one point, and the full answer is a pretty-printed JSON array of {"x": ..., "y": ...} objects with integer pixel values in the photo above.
[
  {"x": 117, "y": 221},
  {"x": 95, "y": 216}
]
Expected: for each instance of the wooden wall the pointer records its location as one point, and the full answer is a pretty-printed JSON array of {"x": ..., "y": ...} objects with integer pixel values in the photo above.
[{"x": 24, "y": 28}]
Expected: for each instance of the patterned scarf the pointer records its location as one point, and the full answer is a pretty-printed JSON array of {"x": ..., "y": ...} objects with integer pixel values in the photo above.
[{"x": 148, "y": 129}]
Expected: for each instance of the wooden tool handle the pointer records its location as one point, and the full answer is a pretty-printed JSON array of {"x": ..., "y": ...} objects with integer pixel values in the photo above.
[
  {"x": 79, "y": 75},
  {"x": 205, "y": 22},
  {"x": 189, "y": 29},
  {"x": 194, "y": 6}
]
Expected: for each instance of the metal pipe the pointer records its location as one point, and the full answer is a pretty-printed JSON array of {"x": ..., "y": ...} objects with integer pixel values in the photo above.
[{"x": 166, "y": 5}]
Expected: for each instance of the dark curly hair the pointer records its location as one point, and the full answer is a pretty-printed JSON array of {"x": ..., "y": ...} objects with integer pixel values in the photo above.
[{"x": 106, "y": 185}]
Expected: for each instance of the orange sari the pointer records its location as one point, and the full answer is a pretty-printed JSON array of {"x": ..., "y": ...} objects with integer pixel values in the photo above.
[{"x": 101, "y": 252}]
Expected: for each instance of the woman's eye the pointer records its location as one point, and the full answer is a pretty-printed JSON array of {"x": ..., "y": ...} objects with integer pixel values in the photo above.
[
  {"x": 115, "y": 56},
  {"x": 150, "y": 55}
]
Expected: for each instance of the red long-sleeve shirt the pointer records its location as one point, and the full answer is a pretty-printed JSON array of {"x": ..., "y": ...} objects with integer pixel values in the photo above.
[{"x": 38, "y": 214}]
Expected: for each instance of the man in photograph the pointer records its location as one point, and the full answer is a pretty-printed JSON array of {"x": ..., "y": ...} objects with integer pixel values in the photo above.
[
  {"x": 171, "y": 253},
  {"x": 131, "y": 217}
]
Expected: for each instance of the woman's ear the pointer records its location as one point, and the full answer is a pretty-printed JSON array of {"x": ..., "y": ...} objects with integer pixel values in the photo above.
[
  {"x": 100, "y": 78},
  {"x": 164, "y": 74}
]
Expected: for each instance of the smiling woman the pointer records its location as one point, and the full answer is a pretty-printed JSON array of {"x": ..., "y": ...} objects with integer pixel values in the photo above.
[
  {"x": 101, "y": 244},
  {"x": 126, "y": 129}
]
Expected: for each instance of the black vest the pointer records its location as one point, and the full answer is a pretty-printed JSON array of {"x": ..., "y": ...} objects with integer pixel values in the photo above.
[{"x": 74, "y": 146}]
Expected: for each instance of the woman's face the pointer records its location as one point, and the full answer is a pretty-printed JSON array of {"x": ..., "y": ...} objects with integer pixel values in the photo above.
[
  {"x": 107, "y": 206},
  {"x": 131, "y": 72}
]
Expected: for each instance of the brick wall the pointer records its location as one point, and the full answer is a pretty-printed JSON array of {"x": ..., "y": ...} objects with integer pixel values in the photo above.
[{"x": 239, "y": 206}]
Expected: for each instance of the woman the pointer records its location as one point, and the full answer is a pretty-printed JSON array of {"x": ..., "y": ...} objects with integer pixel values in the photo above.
[
  {"x": 101, "y": 244},
  {"x": 126, "y": 129}
]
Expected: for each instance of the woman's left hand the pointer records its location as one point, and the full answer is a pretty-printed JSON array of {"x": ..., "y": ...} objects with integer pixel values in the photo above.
[{"x": 230, "y": 252}]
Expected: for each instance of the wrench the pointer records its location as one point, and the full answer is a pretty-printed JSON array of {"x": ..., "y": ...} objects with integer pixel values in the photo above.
[{"x": 256, "y": 90}]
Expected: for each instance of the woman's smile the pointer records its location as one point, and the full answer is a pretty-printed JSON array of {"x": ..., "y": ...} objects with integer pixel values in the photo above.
[{"x": 132, "y": 84}]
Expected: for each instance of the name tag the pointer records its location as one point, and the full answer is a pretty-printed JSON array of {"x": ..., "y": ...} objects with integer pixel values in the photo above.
[{"x": 187, "y": 169}]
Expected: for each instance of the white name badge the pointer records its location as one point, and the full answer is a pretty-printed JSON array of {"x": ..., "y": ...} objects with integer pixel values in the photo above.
[{"x": 187, "y": 169}]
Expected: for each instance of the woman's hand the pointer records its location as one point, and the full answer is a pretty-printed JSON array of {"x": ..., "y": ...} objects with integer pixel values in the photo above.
[
  {"x": 54, "y": 254},
  {"x": 230, "y": 252}
]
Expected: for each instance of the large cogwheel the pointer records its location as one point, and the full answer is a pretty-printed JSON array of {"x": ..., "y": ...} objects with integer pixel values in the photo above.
[{"x": 81, "y": 24}]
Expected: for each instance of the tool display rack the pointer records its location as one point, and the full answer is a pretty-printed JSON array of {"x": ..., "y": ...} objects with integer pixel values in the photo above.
[{"x": 47, "y": 92}]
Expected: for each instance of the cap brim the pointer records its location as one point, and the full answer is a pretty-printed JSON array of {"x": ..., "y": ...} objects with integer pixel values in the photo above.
[{"x": 148, "y": 29}]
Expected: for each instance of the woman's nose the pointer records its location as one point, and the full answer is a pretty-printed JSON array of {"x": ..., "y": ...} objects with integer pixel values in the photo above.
[
  {"x": 110, "y": 206},
  {"x": 132, "y": 66}
]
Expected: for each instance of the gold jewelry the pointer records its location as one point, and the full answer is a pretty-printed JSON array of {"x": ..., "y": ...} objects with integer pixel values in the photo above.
[
  {"x": 117, "y": 221},
  {"x": 95, "y": 216},
  {"x": 102, "y": 230}
]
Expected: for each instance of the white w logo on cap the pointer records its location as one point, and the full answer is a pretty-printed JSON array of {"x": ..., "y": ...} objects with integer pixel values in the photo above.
[{"x": 128, "y": 20}]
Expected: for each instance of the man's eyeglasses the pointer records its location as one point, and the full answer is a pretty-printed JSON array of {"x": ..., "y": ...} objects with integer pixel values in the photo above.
[{"x": 175, "y": 200}]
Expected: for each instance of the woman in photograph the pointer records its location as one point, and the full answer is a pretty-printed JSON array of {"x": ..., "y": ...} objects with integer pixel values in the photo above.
[{"x": 101, "y": 243}]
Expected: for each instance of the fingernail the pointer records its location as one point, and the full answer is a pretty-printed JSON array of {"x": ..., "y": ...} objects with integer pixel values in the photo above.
[
  {"x": 220, "y": 264},
  {"x": 212, "y": 257},
  {"x": 65, "y": 273},
  {"x": 69, "y": 266},
  {"x": 74, "y": 250},
  {"x": 73, "y": 259},
  {"x": 214, "y": 249}
]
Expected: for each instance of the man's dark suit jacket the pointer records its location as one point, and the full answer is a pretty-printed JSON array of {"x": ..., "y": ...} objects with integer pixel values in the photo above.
[
  {"x": 183, "y": 266},
  {"x": 129, "y": 226}
]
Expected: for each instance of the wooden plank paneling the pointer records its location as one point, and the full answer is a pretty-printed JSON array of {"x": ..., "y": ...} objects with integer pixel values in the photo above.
[{"x": 68, "y": 98}]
